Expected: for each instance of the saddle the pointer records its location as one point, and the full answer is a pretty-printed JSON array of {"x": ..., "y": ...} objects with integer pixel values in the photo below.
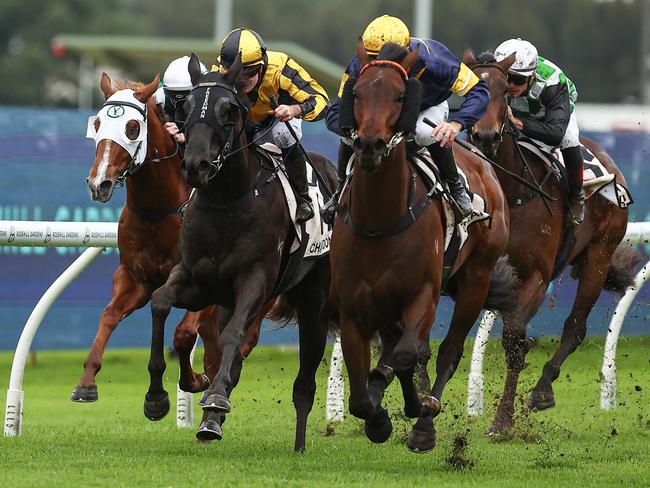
[{"x": 596, "y": 180}]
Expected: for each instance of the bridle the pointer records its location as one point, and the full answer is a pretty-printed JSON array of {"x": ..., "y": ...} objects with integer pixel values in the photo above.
[
  {"x": 505, "y": 125},
  {"x": 212, "y": 119},
  {"x": 399, "y": 135}
]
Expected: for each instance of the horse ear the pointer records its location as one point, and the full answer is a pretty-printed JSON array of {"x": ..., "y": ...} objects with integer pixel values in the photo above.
[
  {"x": 107, "y": 86},
  {"x": 410, "y": 59},
  {"x": 468, "y": 56},
  {"x": 194, "y": 67},
  {"x": 507, "y": 62},
  {"x": 145, "y": 93},
  {"x": 233, "y": 71},
  {"x": 361, "y": 53}
]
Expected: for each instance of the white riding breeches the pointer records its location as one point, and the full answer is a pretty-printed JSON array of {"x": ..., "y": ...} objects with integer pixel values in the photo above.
[{"x": 423, "y": 132}]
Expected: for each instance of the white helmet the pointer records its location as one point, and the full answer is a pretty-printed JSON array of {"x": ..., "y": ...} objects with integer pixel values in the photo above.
[
  {"x": 525, "y": 60},
  {"x": 177, "y": 76}
]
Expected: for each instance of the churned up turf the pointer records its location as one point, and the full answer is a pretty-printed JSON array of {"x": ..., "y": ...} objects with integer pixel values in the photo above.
[{"x": 110, "y": 443}]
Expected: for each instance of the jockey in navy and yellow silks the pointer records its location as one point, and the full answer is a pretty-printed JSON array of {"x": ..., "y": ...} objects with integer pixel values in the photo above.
[
  {"x": 441, "y": 74},
  {"x": 266, "y": 74}
]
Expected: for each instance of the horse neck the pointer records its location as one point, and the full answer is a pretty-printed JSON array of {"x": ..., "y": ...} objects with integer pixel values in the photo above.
[
  {"x": 508, "y": 157},
  {"x": 236, "y": 177},
  {"x": 379, "y": 198},
  {"x": 157, "y": 185}
]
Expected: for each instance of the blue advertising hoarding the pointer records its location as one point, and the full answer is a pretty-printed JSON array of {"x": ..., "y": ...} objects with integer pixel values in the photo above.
[{"x": 45, "y": 160}]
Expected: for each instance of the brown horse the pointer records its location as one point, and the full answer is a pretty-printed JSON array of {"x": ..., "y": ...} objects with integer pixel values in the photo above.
[
  {"x": 542, "y": 242},
  {"x": 387, "y": 277},
  {"x": 148, "y": 227}
]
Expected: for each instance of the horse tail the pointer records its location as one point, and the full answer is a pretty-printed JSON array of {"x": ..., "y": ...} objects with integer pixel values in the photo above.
[
  {"x": 282, "y": 312},
  {"x": 622, "y": 270},
  {"x": 501, "y": 295},
  {"x": 285, "y": 313}
]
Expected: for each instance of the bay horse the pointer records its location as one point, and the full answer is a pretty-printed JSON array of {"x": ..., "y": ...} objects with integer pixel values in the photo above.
[
  {"x": 388, "y": 277},
  {"x": 234, "y": 236},
  {"x": 542, "y": 242},
  {"x": 148, "y": 227}
]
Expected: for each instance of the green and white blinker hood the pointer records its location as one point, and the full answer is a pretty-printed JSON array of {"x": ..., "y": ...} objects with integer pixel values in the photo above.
[{"x": 117, "y": 111}]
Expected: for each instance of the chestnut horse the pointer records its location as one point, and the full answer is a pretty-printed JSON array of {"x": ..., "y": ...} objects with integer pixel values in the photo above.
[
  {"x": 148, "y": 227},
  {"x": 542, "y": 242},
  {"x": 388, "y": 277},
  {"x": 234, "y": 239}
]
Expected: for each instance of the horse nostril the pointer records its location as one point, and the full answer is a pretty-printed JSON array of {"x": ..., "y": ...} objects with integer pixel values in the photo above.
[
  {"x": 357, "y": 144},
  {"x": 495, "y": 137},
  {"x": 380, "y": 145},
  {"x": 204, "y": 165},
  {"x": 105, "y": 186}
]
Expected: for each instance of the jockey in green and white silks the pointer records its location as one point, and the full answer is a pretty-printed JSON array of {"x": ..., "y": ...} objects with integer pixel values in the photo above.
[{"x": 542, "y": 107}]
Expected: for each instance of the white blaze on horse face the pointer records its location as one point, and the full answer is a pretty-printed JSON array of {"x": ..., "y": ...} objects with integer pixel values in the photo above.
[{"x": 103, "y": 165}]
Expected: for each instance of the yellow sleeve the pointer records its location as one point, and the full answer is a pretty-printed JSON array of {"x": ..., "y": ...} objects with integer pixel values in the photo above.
[
  {"x": 304, "y": 90},
  {"x": 344, "y": 80},
  {"x": 465, "y": 80}
]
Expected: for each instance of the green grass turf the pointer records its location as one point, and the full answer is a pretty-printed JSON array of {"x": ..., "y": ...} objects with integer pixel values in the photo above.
[{"x": 110, "y": 443}]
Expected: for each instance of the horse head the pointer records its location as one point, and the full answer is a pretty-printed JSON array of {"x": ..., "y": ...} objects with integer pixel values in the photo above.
[
  {"x": 120, "y": 130},
  {"x": 215, "y": 121},
  {"x": 487, "y": 133},
  {"x": 382, "y": 104}
]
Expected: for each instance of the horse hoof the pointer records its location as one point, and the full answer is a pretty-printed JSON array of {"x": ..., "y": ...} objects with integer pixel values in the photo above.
[
  {"x": 84, "y": 394},
  {"x": 421, "y": 441},
  {"x": 156, "y": 409},
  {"x": 498, "y": 428},
  {"x": 430, "y": 406},
  {"x": 216, "y": 402},
  {"x": 209, "y": 430},
  {"x": 541, "y": 400},
  {"x": 378, "y": 433}
]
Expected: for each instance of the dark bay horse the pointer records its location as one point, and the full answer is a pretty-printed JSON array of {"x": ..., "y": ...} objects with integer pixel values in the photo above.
[
  {"x": 387, "y": 277},
  {"x": 148, "y": 227},
  {"x": 542, "y": 244},
  {"x": 233, "y": 239}
]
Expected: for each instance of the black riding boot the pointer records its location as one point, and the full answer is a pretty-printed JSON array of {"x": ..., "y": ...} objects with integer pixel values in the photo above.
[
  {"x": 574, "y": 166},
  {"x": 345, "y": 153},
  {"x": 444, "y": 158},
  {"x": 295, "y": 162}
]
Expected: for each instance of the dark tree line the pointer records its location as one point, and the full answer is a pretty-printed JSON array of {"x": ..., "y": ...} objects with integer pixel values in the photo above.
[{"x": 595, "y": 42}]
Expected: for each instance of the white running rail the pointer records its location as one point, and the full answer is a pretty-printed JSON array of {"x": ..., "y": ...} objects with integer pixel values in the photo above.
[
  {"x": 95, "y": 236},
  {"x": 637, "y": 233}
]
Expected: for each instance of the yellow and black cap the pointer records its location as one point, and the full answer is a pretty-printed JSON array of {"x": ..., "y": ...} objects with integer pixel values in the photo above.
[{"x": 246, "y": 41}]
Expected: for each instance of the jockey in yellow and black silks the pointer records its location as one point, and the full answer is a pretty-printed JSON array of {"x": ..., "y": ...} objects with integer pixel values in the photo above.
[
  {"x": 440, "y": 74},
  {"x": 269, "y": 74}
]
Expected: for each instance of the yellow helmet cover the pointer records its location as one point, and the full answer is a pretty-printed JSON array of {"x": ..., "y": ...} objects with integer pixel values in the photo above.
[
  {"x": 383, "y": 30},
  {"x": 246, "y": 41}
]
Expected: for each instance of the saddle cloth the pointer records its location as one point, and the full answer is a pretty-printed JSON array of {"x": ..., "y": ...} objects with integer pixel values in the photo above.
[
  {"x": 456, "y": 233},
  {"x": 317, "y": 232},
  {"x": 596, "y": 177}
]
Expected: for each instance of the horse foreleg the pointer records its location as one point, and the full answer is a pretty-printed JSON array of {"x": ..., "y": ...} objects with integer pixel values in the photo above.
[
  {"x": 127, "y": 297},
  {"x": 530, "y": 296},
  {"x": 356, "y": 352},
  {"x": 591, "y": 280},
  {"x": 156, "y": 404}
]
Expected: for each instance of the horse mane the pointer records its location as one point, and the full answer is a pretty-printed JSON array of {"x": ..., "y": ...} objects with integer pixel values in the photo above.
[{"x": 392, "y": 52}]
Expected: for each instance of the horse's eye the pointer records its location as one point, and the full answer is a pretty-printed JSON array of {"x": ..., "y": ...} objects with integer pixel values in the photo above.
[
  {"x": 354, "y": 94},
  {"x": 401, "y": 97},
  {"x": 132, "y": 130}
]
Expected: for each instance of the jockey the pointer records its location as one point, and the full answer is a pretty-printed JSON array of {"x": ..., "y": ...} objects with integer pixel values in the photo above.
[
  {"x": 171, "y": 94},
  {"x": 266, "y": 74},
  {"x": 441, "y": 74},
  {"x": 542, "y": 107}
]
